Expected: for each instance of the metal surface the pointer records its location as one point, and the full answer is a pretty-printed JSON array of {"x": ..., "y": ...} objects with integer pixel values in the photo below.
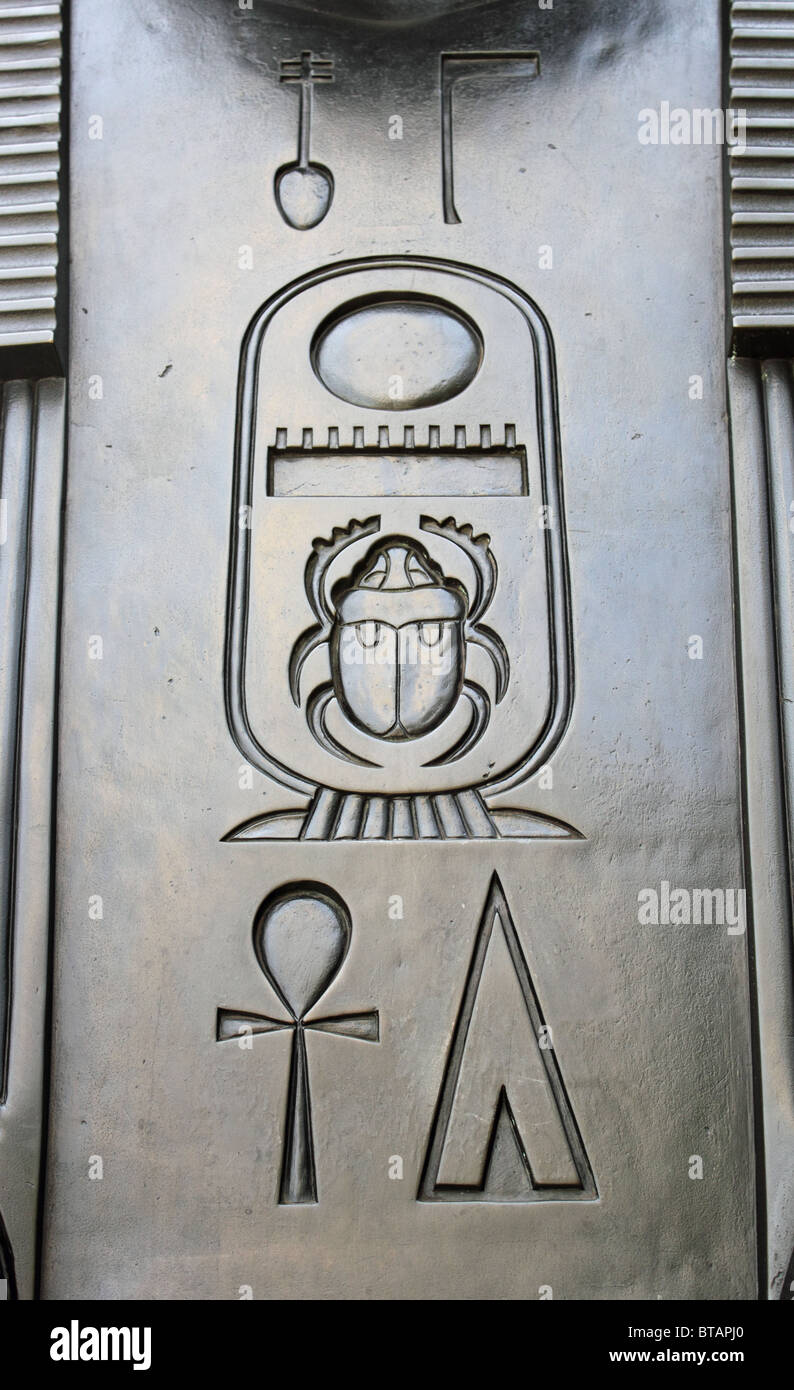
[{"x": 561, "y": 1094}]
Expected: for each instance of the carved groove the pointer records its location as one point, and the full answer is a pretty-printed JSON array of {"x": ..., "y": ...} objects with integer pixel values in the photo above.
[
  {"x": 7, "y": 1262},
  {"x": 16, "y": 481},
  {"x": 455, "y": 67}
]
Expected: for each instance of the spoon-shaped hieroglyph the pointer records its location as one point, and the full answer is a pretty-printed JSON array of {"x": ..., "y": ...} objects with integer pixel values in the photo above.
[{"x": 303, "y": 190}]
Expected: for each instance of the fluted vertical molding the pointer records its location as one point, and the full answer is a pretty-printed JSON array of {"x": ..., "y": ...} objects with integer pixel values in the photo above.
[
  {"x": 761, "y": 166},
  {"x": 762, "y": 426},
  {"x": 32, "y": 463},
  {"x": 31, "y": 319}
]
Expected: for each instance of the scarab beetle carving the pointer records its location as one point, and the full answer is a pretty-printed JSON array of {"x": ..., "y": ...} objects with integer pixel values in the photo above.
[{"x": 397, "y": 632}]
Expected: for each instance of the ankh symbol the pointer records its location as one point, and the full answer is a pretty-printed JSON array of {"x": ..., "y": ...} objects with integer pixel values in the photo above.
[{"x": 301, "y": 937}]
